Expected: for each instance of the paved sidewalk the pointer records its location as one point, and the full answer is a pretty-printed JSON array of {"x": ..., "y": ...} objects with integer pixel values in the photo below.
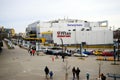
[{"x": 17, "y": 64}]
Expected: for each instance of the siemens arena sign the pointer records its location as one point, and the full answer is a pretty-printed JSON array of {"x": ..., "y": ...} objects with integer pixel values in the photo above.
[{"x": 74, "y": 25}]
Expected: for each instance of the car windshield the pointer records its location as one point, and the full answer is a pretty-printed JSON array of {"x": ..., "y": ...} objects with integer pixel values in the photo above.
[
  {"x": 43, "y": 48},
  {"x": 56, "y": 48}
]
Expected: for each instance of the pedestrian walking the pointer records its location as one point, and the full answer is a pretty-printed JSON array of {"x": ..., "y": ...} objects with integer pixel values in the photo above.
[
  {"x": 77, "y": 73},
  {"x": 0, "y": 50},
  {"x": 29, "y": 50},
  {"x": 51, "y": 75},
  {"x": 73, "y": 71},
  {"x": 53, "y": 58},
  {"x": 33, "y": 52},
  {"x": 87, "y": 76},
  {"x": 63, "y": 57},
  {"x": 103, "y": 77},
  {"x": 56, "y": 56},
  {"x": 46, "y": 72}
]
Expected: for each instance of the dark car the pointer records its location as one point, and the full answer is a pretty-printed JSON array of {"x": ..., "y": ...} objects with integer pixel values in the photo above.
[
  {"x": 54, "y": 51},
  {"x": 64, "y": 53},
  {"x": 0, "y": 49},
  {"x": 1, "y": 44}
]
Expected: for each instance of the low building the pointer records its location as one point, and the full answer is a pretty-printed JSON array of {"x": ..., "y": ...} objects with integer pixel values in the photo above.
[{"x": 71, "y": 31}]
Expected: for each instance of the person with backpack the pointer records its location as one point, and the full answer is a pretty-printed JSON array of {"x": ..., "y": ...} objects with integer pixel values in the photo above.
[{"x": 46, "y": 72}]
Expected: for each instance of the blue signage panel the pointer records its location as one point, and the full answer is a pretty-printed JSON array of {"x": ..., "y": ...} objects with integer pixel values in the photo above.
[{"x": 74, "y": 25}]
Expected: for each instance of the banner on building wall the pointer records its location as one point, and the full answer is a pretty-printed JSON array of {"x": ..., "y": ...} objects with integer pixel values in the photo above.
[
  {"x": 63, "y": 34},
  {"x": 74, "y": 25}
]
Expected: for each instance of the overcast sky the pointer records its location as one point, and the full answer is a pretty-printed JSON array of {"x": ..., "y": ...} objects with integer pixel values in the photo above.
[{"x": 18, "y": 14}]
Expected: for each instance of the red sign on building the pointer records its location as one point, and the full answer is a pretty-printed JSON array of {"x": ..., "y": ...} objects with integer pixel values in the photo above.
[{"x": 63, "y": 34}]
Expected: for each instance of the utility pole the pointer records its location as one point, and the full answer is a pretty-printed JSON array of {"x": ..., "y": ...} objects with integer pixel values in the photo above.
[
  {"x": 66, "y": 67},
  {"x": 62, "y": 44},
  {"x": 99, "y": 69},
  {"x": 114, "y": 48},
  {"x": 118, "y": 52},
  {"x": 81, "y": 49}
]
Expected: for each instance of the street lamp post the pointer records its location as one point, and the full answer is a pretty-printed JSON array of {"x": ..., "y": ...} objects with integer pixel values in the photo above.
[
  {"x": 99, "y": 69},
  {"x": 81, "y": 49},
  {"x": 114, "y": 48},
  {"x": 114, "y": 54},
  {"x": 118, "y": 52},
  {"x": 99, "y": 72},
  {"x": 62, "y": 44},
  {"x": 66, "y": 66}
]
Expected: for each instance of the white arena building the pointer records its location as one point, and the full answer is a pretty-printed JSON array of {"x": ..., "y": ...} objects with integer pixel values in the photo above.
[{"x": 73, "y": 31}]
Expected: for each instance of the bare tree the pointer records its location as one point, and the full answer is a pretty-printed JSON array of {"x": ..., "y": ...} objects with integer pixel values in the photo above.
[{"x": 66, "y": 68}]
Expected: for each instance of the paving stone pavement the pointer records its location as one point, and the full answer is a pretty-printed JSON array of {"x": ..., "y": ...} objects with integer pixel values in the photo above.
[{"x": 17, "y": 64}]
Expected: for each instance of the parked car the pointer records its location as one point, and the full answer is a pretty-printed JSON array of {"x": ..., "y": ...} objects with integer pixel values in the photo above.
[
  {"x": 0, "y": 49},
  {"x": 54, "y": 51},
  {"x": 80, "y": 55},
  {"x": 88, "y": 52},
  {"x": 107, "y": 53},
  {"x": 43, "y": 49},
  {"x": 97, "y": 52},
  {"x": 64, "y": 53}
]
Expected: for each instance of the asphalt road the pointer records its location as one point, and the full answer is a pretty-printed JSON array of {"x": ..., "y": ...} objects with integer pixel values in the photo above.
[{"x": 17, "y": 64}]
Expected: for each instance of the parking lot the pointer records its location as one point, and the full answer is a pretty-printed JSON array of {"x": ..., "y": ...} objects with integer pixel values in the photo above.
[{"x": 17, "y": 64}]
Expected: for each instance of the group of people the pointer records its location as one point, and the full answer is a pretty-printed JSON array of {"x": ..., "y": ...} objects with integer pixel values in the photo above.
[
  {"x": 32, "y": 51},
  {"x": 76, "y": 73},
  {"x": 48, "y": 73}
]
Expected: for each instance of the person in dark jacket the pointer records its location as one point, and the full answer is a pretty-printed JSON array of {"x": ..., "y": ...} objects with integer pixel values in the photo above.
[
  {"x": 46, "y": 72},
  {"x": 103, "y": 77},
  {"x": 63, "y": 57},
  {"x": 73, "y": 71},
  {"x": 87, "y": 76},
  {"x": 77, "y": 73}
]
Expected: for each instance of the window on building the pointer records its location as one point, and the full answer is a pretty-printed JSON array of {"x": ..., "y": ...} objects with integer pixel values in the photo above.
[
  {"x": 82, "y": 29},
  {"x": 87, "y": 29},
  {"x": 74, "y": 29}
]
